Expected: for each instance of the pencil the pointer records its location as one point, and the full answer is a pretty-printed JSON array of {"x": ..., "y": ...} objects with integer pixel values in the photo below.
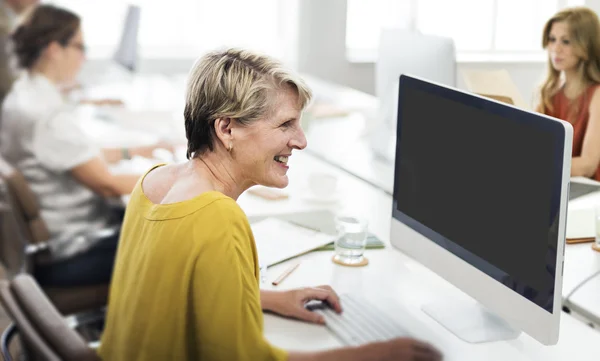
[{"x": 285, "y": 274}]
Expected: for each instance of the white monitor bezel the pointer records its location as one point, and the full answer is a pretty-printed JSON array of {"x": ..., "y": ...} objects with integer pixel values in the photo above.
[{"x": 518, "y": 311}]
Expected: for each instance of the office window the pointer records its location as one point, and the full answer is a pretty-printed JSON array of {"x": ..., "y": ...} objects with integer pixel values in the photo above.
[
  {"x": 366, "y": 18},
  {"x": 477, "y": 26},
  {"x": 180, "y": 28},
  {"x": 451, "y": 18}
]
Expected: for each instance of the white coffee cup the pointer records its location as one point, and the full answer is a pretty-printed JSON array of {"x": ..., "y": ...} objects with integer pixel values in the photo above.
[{"x": 322, "y": 184}]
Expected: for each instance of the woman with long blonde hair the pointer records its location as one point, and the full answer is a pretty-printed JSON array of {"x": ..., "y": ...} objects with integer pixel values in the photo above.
[{"x": 572, "y": 39}]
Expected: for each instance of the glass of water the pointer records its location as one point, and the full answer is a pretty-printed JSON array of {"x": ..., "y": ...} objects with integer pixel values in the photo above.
[{"x": 351, "y": 240}]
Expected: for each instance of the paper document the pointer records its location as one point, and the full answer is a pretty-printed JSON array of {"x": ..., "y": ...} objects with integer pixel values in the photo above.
[
  {"x": 495, "y": 83},
  {"x": 580, "y": 224},
  {"x": 278, "y": 240},
  {"x": 584, "y": 180}
]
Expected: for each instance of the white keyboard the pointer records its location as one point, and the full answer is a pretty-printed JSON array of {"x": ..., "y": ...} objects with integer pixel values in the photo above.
[{"x": 360, "y": 321}]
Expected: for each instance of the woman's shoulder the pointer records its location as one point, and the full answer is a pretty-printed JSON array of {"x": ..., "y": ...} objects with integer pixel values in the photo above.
[
  {"x": 204, "y": 210},
  {"x": 29, "y": 102},
  {"x": 223, "y": 206},
  {"x": 170, "y": 186},
  {"x": 164, "y": 194},
  {"x": 593, "y": 87},
  {"x": 222, "y": 209},
  {"x": 221, "y": 214},
  {"x": 593, "y": 94},
  {"x": 220, "y": 221}
]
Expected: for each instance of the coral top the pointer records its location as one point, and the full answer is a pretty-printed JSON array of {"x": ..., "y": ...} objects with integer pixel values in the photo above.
[{"x": 579, "y": 120}]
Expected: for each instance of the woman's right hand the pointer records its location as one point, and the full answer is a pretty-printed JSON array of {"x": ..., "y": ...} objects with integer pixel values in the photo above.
[
  {"x": 398, "y": 349},
  {"x": 408, "y": 349}
]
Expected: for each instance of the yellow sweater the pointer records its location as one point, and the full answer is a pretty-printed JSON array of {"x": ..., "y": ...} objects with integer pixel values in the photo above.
[{"x": 185, "y": 284}]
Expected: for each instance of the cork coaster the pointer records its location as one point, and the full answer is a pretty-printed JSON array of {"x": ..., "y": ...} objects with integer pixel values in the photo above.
[
  {"x": 362, "y": 263},
  {"x": 595, "y": 247}
]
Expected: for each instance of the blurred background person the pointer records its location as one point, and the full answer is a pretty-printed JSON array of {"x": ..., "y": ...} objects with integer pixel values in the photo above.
[
  {"x": 41, "y": 136},
  {"x": 572, "y": 40},
  {"x": 10, "y": 10}
]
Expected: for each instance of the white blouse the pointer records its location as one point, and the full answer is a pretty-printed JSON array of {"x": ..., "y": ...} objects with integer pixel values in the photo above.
[{"x": 41, "y": 136}]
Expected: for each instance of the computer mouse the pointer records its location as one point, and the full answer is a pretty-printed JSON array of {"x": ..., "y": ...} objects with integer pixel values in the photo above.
[{"x": 316, "y": 305}]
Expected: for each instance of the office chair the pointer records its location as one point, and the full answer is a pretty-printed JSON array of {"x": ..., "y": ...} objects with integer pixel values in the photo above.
[
  {"x": 42, "y": 329},
  {"x": 25, "y": 239}
]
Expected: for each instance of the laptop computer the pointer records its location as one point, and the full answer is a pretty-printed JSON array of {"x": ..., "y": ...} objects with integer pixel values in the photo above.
[{"x": 578, "y": 189}]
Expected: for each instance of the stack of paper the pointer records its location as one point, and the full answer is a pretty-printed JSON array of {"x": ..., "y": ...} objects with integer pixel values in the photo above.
[
  {"x": 581, "y": 225},
  {"x": 278, "y": 240}
]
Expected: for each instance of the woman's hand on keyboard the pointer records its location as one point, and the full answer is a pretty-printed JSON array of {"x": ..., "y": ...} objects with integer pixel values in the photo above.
[
  {"x": 291, "y": 303},
  {"x": 399, "y": 349},
  {"x": 408, "y": 349}
]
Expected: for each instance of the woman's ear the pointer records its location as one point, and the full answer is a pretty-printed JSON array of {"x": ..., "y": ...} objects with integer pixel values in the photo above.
[
  {"x": 223, "y": 131},
  {"x": 53, "y": 49}
]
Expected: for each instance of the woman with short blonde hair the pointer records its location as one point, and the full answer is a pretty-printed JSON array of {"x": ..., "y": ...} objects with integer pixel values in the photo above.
[{"x": 185, "y": 285}]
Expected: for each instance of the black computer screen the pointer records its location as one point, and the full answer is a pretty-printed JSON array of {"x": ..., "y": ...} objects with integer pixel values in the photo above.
[{"x": 483, "y": 181}]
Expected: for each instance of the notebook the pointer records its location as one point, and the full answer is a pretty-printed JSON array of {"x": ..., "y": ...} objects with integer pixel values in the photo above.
[
  {"x": 582, "y": 186},
  {"x": 373, "y": 242},
  {"x": 278, "y": 240},
  {"x": 499, "y": 98},
  {"x": 581, "y": 226}
]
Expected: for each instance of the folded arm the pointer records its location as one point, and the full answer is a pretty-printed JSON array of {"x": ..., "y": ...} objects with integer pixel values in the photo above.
[
  {"x": 587, "y": 163},
  {"x": 95, "y": 175},
  {"x": 114, "y": 155}
]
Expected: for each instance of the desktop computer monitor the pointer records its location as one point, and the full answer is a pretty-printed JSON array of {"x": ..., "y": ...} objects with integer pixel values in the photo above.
[
  {"x": 115, "y": 79},
  {"x": 406, "y": 52},
  {"x": 480, "y": 197},
  {"x": 127, "y": 51}
]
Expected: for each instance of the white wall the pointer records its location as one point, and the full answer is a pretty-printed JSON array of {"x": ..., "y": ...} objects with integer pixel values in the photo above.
[
  {"x": 593, "y": 4},
  {"x": 319, "y": 31},
  {"x": 322, "y": 52},
  {"x": 322, "y": 45}
]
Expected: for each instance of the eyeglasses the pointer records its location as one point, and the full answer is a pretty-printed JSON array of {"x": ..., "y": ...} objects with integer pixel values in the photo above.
[{"x": 79, "y": 46}]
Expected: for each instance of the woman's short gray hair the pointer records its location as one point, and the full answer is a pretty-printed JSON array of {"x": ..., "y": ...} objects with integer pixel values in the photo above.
[{"x": 237, "y": 84}]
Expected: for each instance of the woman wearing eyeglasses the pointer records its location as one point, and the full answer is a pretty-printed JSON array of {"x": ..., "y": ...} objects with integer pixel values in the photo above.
[{"x": 41, "y": 136}]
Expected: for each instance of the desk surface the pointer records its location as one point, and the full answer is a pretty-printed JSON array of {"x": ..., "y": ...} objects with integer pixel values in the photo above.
[
  {"x": 581, "y": 279},
  {"x": 586, "y": 300},
  {"x": 350, "y": 151},
  {"x": 581, "y": 261},
  {"x": 398, "y": 284},
  {"x": 393, "y": 281}
]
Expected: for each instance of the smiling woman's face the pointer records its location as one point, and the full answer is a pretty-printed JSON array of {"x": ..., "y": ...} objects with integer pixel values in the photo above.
[{"x": 261, "y": 149}]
